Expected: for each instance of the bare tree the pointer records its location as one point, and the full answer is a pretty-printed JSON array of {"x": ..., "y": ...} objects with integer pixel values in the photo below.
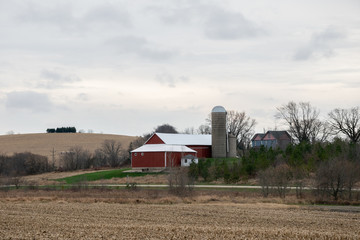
[
  {"x": 275, "y": 179},
  {"x": 113, "y": 152},
  {"x": 322, "y": 131},
  {"x": 204, "y": 129},
  {"x": 15, "y": 179},
  {"x": 299, "y": 175},
  {"x": 189, "y": 130},
  {"x": 76, "y": 158},
  {"x": 241, "y": 126},
  {"x": 346, "y": 121},
  {"x": 179, "y": 181},
  {"x": 99, "y": 159},
  {"x": 265, "y": 180},
  {"x": 336, "y": 176},
  {"x": 352, "y": 176},
  {"x": 281, "y": 177},
  {"x": 303, "y": 121}
]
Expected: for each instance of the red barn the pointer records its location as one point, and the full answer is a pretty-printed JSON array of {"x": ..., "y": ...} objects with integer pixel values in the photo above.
[
  {"x": 164, "y": 149},
  {"x": 159, "y": 155}
]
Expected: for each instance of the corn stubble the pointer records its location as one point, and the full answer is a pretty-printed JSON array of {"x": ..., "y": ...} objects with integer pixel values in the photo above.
[{"x": 75, "y": 220}]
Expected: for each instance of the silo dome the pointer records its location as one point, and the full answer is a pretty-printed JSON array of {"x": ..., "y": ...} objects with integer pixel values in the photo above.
[{"x": 219, "y": 109}]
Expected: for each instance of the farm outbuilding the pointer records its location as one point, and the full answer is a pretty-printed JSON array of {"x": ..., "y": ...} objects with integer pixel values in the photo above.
[
  {"x": 188, "y": 159},
  {"x": 163, "y": 150},
  {"x": 159, "y": 155}
]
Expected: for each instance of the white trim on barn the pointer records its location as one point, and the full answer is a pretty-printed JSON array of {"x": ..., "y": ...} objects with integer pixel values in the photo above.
[{"x": 163, "y": 148}]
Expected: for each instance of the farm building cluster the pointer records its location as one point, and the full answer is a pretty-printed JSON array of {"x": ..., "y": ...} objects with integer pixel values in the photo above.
[{"x": 164, "y": 150}]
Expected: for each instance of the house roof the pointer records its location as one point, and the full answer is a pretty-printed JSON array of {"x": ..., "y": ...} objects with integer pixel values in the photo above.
[
  {"x": 185, "y": 139},
  {"x": 258, "y": 134},
  {"x": 163, "y": 148},
  {"x": 276, "y": 134}
]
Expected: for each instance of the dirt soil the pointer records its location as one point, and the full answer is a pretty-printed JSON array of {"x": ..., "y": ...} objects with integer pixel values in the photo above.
[{"x": 45, "y": 218}]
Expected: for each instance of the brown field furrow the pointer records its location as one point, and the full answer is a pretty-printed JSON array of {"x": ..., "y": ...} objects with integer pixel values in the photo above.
[{"x": 68, "y": 220}]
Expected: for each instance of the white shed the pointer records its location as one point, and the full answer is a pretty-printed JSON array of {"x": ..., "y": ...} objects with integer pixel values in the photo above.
[{"x": 188, "y": 159}]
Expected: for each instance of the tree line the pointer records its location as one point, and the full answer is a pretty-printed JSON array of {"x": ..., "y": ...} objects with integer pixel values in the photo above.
[
  {"x": 302, "y": 120},
  {"x": 304, "y": 124},
  {"x": 110, "y": 154},
  {"x": 23, "y": 164},
  {"x": 61, "y": 130},
  {"x": 331, "y": 169}
]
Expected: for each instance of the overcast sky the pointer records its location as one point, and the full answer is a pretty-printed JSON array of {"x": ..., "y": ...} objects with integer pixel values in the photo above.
[{"x": 125, "y": 67}]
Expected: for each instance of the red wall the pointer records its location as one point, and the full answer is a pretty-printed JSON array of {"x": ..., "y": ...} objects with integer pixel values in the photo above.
[
  {"x": 149, "y": 159},
  {"x": 156, "y": 159},
  {"x": 155, "y": 140},
  {"x": 202, "y": 151}
]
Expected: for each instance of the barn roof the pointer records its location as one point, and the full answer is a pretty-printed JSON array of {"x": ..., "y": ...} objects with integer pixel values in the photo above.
[
  {"x": 185, "y": 139},
  {"x": 163, "y": 148}
]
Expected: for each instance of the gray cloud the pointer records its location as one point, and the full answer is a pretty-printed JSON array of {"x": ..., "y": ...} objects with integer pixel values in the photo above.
[
  {"x": 66, "y": 17},
  {"x": 321, "y": 44},
  {"x": 215, "y": 22},
  {"x": 28, "y": 100},
  {"x": 108, "y": 13},
  {"x": 225, "y": 25},
  {"x": 178, "y": 14},
  {"x": 54, "y": 79},
  {"x": 138, "y": 46},
  {"x": 170, "y": 80},
  {"x": 59, "y": 14}
]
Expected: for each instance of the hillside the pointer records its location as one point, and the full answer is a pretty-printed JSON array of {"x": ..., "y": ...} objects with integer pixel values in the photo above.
[{"x": 45, "y": 143}]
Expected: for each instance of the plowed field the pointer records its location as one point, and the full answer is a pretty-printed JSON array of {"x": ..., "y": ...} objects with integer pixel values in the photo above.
[
  {"x": 74, "y": 220},
  {"x": 48, "y": 143}
]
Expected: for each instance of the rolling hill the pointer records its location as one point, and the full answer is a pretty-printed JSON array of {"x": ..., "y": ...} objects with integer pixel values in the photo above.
[{"x": 45, "y": 143}]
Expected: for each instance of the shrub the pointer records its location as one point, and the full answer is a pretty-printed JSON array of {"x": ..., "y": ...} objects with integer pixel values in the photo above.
[
  {"x": 336, "y": 176},
  {"x": 281, "y": 178},
  {"x": 23, "y": 164},
  {"x": 179, "y": 181}
]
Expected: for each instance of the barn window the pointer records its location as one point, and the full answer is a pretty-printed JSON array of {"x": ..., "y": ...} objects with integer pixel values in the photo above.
[
  {"x": 135, "y": 154},
  {"x": 185, "y": 160},
  {"x": 142, "y": 154}
]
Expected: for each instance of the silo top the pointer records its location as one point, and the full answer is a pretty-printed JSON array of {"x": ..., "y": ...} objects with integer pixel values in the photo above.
[{"x": 219, "y": 109}]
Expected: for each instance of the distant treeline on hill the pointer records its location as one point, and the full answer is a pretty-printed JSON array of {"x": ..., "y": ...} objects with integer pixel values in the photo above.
[{"x": 61, "y": 130}]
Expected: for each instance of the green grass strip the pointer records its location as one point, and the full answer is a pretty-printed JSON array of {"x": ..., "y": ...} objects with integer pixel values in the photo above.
[{"x": 109, "y": 174}]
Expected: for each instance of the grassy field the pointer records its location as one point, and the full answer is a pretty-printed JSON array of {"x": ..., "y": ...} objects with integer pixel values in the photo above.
[
  {"x": 45, "y": 143},
  {"x": 101, "y": 175},
  {"x": 123, "y": 214}
]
